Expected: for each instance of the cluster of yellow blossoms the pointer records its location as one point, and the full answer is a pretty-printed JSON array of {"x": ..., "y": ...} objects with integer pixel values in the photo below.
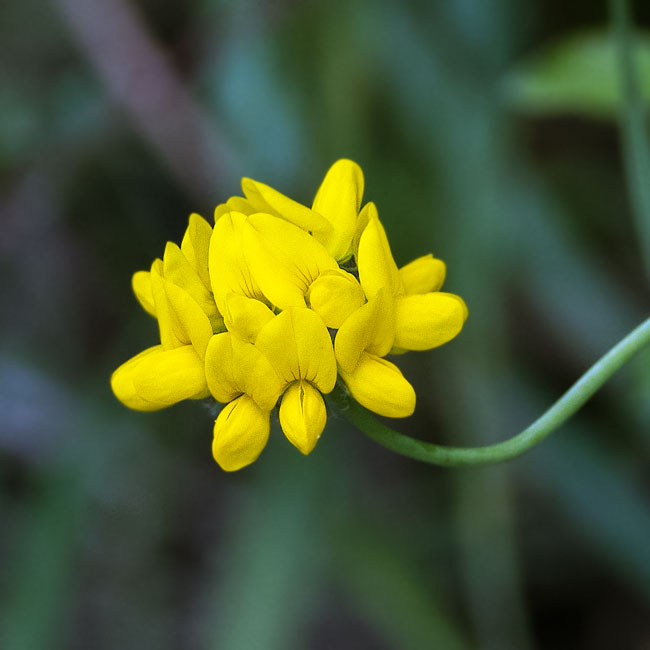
[{"x": 276, "y": 300}]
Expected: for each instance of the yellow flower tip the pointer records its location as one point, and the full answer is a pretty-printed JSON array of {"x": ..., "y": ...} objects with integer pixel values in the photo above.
[
  {"x": 370, "y": 212},
  {"x": 141, "y": 285},
  {"x": 348, "y": 163},
  {"x": 463, "y": 305},
  {"x": 423, "y": 322},
  {"x": 157, "y": 378},
  {"x": 264, "y": 198},
  {"x": 380, "y": 386},
  {"x": 195, "y": 245},
  {"x": 302, "y": 415},
  {"x": 341, "y": 188},
  {"x": 241, "y": 432},
  {"x": 377, "y": 268},
  {"x": 423, "y": 275},
  {"x": 233, "y": 204},
  {"x": 171, "y": 253},
  {"x": 367, "y": 211},
  {"x": 196, "y": 221},
  {"x": 219, "y": 211},
  {"x": 170, "y": 376},
  {"x": 122, "y": 383},
  {"x": 338, "y": 200}
]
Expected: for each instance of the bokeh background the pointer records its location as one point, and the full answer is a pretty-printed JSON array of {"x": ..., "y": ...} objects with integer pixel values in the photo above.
[{"x": 488, "y": 134}]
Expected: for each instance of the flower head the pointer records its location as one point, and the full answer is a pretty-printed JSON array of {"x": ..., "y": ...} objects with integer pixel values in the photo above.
[{"x": 275, "y": 302}]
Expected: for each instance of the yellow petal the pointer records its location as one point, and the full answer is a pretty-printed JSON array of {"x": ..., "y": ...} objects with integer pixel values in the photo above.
[
  {"x": 169, "y": 376},
  {"x": 195, "y": 246},
  {"x": 284, "y": 259},
  {"x": 245, "y": 317},
  {"x": 379, "y": 385},
  {"x": 229, "y": 270},
  {"x": 122, "y": 382},
  {"x": 302, "y": 415},
  {"x": 171, "y": 335},
  {"x": 375, "y": 261},
  {"x": 334, "y": 296},
  {"x": 338, "y": 200},
  {"x": 188, "y": 318},
  {"x": 220, "y": 369},
  {"x": 298, "y": 345},
  {"x": 265, "y": 199},
  {"x": 241, "y": 432},
  {"x": 141, "y": 283},
  {"x": 426, "y": 321},
  {"x": 233, "y": 367},
  {"x": 178, "y": 270},
  {"x": 372, "y": 328},
  {"x": 423, "y": 275},
  {"x": 362, "y": 222},
  {"x": 233, "y": 204},
  {"x": 204, "y": 394}
]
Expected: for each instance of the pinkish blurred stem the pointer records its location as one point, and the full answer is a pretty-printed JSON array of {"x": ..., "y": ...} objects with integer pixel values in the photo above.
[{"x": 141, "y": 81}]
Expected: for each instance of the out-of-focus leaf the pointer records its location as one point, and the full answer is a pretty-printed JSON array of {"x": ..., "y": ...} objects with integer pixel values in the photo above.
[
  {"x": 36, "y": 606},
  {"x": 389, "y": 592},
  {"x": 598, "y": 496},
  {"x": 266, "y": 576},
  {"x": 18, "y": 125},
  {"x": 492, "y": 573},
  {"x": 563, "y": 277},
  {"x": 578, "y": 75},
  {"x": 244, "y": 85},
  {"x": 597, "y": 491}
]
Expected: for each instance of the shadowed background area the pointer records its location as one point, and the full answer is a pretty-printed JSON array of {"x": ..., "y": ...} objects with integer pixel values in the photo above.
[{"x": 488, "y": 135}]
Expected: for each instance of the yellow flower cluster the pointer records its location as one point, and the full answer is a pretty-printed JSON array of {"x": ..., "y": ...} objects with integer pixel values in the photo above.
[{"x": 277, "y": 300}]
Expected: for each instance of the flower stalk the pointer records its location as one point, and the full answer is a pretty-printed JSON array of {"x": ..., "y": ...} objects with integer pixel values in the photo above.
[{"x": 574, "y": 399}]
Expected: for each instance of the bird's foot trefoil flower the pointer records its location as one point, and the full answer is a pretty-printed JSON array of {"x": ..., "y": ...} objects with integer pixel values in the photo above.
[{"x": 270, "y": 305}]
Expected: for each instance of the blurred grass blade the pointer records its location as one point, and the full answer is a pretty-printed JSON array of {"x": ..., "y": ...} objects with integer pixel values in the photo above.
[
  {"x": 491, "y": 570},
  {"x": 262, "y": 593},
  {"x": 598, "y": 497},
  {"x": 390, "y": 593},
  {"x": 577, "y": 75},
  {"x": 634, "y": 132},
  {"x": 575, "y": 284},
  {"x": 38, "y": 586}
]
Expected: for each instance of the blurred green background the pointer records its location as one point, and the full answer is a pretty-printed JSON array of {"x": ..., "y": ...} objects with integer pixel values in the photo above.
[{"x": 487, "y": 132}]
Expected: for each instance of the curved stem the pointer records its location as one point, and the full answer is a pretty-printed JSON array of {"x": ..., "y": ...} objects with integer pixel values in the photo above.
[{"x": 553, "y": 418}]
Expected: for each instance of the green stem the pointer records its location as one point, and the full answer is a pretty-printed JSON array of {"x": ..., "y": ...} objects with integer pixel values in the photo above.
[
  {"x": 557, "y": 415},
  {"x": 636, "y": 153}
]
